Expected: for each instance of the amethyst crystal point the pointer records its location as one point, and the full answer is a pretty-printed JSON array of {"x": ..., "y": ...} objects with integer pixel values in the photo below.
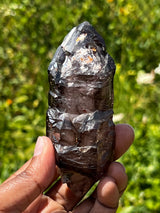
[{"x": 79, "y": 117}]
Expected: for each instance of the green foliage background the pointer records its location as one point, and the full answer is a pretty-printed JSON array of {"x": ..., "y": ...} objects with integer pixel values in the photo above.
[{"x": 30, "y": 33}]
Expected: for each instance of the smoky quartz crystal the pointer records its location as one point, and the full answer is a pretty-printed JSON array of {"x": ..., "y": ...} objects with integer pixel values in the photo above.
[{"x": 79, "y": 116}]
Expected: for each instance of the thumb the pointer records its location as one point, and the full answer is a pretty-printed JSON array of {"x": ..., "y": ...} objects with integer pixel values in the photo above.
[{"x": 20, "y": 191}]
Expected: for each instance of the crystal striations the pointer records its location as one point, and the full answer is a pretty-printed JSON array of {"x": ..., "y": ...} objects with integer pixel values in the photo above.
[{"x": 79, "y": 117}]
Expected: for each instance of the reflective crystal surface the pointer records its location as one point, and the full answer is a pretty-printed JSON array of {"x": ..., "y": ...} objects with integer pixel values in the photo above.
[{"x": 79, "y": 117}]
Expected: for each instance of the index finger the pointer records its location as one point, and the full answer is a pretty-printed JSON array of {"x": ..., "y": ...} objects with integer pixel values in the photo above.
[{"x": 124, "y": 139}]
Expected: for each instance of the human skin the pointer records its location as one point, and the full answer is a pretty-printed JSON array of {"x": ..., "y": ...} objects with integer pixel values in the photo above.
[{"x": 23, "y": 191}]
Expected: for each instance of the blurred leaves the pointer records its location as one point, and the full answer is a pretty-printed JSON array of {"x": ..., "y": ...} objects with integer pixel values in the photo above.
[{"x": 31, "y": 31}]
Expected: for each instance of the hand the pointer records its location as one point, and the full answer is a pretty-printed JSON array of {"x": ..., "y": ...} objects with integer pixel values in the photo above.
[{"x": 23, "y": 191}]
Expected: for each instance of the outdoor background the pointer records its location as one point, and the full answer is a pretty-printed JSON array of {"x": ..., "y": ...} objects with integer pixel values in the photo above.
[{"x": 31, "y": 31}]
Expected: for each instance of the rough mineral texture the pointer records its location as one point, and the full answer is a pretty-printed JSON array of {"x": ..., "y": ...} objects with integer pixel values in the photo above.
[{"x": 79, "y": 117}]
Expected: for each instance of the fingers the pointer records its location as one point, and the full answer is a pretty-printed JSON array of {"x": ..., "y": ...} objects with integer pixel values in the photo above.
[
  {"x": 112, "y": 185},
  {"x": 33, "y": 178},
  {"x": 117, "y": 172},
  {"x": 44, "y": 204},
  {"x": 85, "y": 207},
  {"x": 18, "y": 192},
  {"x": 124, "y": 139},
  {"x": 63, "y": 195},
  {"x": 110, "y": 189}
]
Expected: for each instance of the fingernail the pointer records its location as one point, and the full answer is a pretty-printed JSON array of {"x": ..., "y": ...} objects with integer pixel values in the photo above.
[{"x": 39, "y": 146}]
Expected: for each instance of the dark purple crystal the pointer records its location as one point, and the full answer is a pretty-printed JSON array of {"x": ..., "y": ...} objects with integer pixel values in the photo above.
[{"x": 79, "y": 117}]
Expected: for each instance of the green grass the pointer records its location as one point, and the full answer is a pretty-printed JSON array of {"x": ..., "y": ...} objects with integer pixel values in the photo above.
[{"x": 132, "y": 34}]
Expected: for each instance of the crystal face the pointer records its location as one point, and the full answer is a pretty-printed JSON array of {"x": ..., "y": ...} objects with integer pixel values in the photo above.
[{"x": 79, "y": 116}]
